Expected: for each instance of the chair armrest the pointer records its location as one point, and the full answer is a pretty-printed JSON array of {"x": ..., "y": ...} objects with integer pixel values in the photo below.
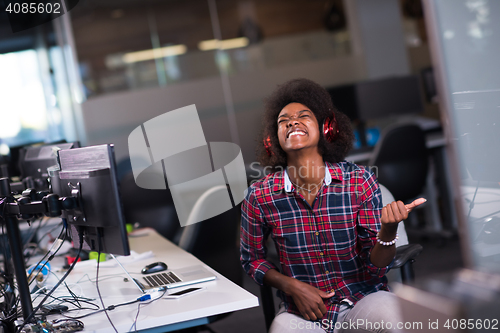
[
  {"x": 406, "y": 253},
  {"x": 266, "y": 294}
]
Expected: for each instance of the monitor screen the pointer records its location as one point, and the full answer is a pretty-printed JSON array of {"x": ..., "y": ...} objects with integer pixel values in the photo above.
[
  {"x": 12, "y": 158},
  {"x": 89, "y": 174},
  {"x": 389, "y": 97},
  {"x": 344, "y": 99},
  {"x": 10, "y": 162},
  {"x": 35, "y": 161}
]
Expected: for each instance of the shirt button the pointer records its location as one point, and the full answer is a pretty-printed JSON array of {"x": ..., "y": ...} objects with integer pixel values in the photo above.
[
  {"x": 332, "y": 291},
  {"x": 327, "y": 272},
  {"x": 317, "y": 233},
  {"x": 321, "y": 253}
]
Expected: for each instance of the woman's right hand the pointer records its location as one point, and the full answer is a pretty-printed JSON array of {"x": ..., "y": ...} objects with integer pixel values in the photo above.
[{"x": 308, "y": 299}]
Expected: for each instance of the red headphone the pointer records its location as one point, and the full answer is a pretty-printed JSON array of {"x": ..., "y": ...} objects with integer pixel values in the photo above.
[
  {"x": 331, "y": 128},
  {"x": 330, "y": 131}
]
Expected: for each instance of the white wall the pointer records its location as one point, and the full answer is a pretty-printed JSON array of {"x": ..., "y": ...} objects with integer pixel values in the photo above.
[{"x": 376, "y": 32}]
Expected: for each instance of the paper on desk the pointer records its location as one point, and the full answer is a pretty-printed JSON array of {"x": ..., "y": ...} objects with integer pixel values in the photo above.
[{"x": 124, "y": 260}]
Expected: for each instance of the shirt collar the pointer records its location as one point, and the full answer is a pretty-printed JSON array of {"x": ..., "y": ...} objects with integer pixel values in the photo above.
[{"x": 288, "y": 182}]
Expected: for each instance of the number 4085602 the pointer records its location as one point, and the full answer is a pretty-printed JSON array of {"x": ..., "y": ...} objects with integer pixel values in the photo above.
[
  {"x": 34, "y": 8},
  {"x": 476, "y": 324}
]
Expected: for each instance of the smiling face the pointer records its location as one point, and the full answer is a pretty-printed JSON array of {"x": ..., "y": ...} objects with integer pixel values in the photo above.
[{"x": 297, "y": 128}]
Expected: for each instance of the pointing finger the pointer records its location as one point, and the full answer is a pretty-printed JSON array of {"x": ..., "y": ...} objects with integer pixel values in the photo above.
[{"x": 323, "y": 294}]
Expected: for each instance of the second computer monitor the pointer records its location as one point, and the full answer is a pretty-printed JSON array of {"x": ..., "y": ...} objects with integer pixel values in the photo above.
[
  {"x": 89, "y": 175},
  {"x": 35, "y": 160},
  {"x": 393, "y": 96}
]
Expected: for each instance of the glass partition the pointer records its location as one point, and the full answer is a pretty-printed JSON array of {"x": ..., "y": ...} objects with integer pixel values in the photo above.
[
  {"x": 133, "y": 45},
  {"x": 37, "y": 103},
  {"x": 23, "y": 107},
  {"x": 466, "y": 38}
]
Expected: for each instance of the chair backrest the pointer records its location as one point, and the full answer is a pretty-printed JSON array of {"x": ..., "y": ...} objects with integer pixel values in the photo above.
[
  {"x": 151, "y": 208},
  {"x": 387, "y": 198},
  {"x": 215, "y": 241},
  {"x": 395, "y": 275},
  {"x": 400, "y": 159}
]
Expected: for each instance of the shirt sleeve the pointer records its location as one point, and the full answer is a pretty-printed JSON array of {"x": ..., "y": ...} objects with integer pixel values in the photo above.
[
  {"x": 369, "y": 222},
  {"x": 254, "y": 233}
]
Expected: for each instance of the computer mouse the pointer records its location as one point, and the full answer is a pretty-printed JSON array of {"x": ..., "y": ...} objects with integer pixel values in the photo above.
[{"x": 154, "y": 268}]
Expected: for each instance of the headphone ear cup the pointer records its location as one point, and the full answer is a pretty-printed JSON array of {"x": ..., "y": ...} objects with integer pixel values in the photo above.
[
  {"x": 330, "y": 129},
  {"x": 267, "y": 145}
]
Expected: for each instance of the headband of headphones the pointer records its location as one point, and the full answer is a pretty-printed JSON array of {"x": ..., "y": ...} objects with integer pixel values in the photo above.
[{"x": 330, "y": 131}]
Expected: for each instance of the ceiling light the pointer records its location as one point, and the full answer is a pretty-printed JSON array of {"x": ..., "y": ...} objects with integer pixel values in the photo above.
[
  {"x": 214, "y": 44},
  {"x": 154, "y": 53}
]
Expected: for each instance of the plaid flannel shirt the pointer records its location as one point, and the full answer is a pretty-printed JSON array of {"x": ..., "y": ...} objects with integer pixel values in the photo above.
[{"x": 327, "y": 245}]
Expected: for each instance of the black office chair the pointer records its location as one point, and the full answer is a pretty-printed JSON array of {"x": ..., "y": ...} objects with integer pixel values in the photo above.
[
  {"x": 215, "y": 241},
  {"x": 149, "y": 208},
  {"x": 400, "y": 161},
  {"x": 405, "y": 253}
]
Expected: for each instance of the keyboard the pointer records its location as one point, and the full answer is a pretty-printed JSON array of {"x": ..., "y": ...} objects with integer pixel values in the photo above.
[{"x": 161, "y": 279}]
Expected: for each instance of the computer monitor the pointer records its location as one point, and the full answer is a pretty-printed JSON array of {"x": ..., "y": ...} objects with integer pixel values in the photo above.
[
  {"x": 376, "y": 99},
  {"x": 12, "y": 160},
  {"x": 387, "y": 97},
  {"x": 345, "y": 100},
  {"x": 89, "y": 175},
  {"x": 35, "y": 160}
]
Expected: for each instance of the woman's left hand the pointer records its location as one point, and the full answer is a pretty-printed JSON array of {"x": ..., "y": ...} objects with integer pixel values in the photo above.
[{"x": 397, "y": 211}]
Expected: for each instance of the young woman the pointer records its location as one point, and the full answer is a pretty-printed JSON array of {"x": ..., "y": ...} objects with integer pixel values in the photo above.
[{"x": 334, "y": 239}]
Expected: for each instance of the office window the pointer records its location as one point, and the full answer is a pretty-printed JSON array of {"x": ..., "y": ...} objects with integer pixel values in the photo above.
[
  {"x": 27, "y": 113},
  {"x": 467, "y": 35}
]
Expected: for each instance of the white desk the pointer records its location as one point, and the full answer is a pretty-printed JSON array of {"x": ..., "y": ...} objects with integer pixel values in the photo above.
[{"x": 163, "y": 315}]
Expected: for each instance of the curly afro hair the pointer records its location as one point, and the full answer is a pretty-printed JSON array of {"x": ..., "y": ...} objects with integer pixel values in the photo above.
[{"x": 318, "y": 100}]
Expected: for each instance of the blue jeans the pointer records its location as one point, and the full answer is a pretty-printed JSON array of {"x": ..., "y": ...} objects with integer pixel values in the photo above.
[{"x": 375, "y": 313}]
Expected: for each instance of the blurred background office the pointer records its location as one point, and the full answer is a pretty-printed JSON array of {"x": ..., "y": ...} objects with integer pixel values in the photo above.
[{"x": 98, "y": 72}]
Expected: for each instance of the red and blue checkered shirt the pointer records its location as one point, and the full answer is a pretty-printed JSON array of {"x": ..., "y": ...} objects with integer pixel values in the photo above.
[{"x": 327, "y": 244}]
